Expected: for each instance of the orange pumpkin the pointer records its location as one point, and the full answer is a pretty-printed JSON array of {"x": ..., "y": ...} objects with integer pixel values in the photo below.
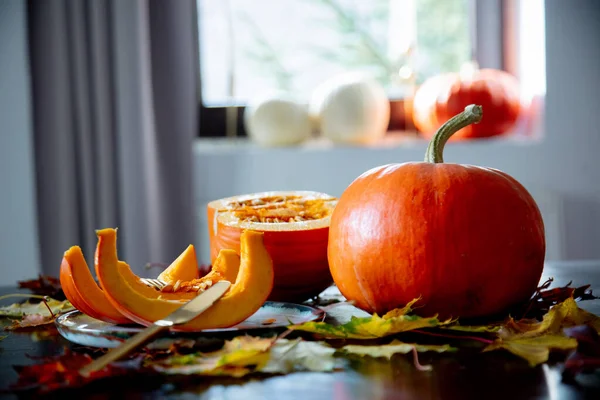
[
  {"x": 467, "y": 240},
  {"x": 445, "y": 95},
  {"x": 295, "y": 225}
]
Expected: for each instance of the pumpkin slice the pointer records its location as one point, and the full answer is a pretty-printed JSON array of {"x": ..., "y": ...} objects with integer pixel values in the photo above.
[
  {"x": 82, "y": 290},
  {"x": 184, "y": 268},
  {"x": 295, "y": 225},
  {"x": 226, "y": 267},
  {"x": 250, "y": 290}
]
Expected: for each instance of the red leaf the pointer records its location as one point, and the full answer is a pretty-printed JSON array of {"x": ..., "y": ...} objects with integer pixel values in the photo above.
[
  {"x": 60, "y": 372},
  {"x": 587, "y": 356},
  {"x": 44, "y": 285},
  {"x": 544, "y": 298}
]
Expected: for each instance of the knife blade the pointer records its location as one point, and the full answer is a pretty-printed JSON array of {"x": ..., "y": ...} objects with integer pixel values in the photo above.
[{"x": 183, "y": 314}]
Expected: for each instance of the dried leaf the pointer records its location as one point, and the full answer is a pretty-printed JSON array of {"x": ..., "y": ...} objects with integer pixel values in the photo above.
[
  {"x": 237, "y": 358},
  {"x": 544, "y": 298},
  {"x": 562, "y": 315},
  {"x": 44, "y": 285},
  {"x": 17, "y": 310},
  {"x": 244, "y": 355},
  {"x": 533, "y": 340},
  {"x": 288, "y": 356},
  {"x": 492, "y": 328},
  {"x": 534, "y": 349},
  {"x": 59, "y": 372},
  {"x": 587, "y": 356},
  {"x": 31, "y": 321},
  {"x": 396, "y": 346},
  {"x": 374, "y": 326}
]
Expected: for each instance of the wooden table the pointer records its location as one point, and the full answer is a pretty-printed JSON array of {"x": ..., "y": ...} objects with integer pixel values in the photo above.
[{"x": 494, "y": 375}]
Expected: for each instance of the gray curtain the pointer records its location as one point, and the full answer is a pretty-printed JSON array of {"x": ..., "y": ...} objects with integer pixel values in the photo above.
[{"x": 115, "y": 103}]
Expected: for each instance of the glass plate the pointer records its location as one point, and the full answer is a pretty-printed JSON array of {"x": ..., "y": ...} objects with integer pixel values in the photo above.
[{"x": 84, "y": 330}]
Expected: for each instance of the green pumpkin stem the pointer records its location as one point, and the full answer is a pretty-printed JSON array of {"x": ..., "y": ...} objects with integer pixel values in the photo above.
[{"x": 471, "y": 115}]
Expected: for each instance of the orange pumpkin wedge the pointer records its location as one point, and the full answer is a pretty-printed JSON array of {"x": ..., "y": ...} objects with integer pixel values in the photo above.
[
  {"x": 226, "y": 267},
  {"x": 295, "y": 225},
  {"x": 250, "y": 290},
  {"x": 82, "y": 290},
  {"x": 184, "y": 268}
]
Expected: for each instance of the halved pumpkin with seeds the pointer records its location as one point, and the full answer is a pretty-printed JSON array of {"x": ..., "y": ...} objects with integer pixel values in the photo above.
[{"x": 295, "y": 225}]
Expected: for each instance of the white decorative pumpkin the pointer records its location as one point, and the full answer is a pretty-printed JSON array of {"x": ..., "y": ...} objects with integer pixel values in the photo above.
[
  {"x": 350, "y": 108},
  {"x": 277, "y": 120}
]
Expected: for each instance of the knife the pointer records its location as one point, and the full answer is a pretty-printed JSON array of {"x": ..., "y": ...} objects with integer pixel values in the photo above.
[{"x": 183, "y": 314}]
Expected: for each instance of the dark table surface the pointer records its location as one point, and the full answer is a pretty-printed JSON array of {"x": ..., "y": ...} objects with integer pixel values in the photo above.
[{"x": 494, "y": 375}]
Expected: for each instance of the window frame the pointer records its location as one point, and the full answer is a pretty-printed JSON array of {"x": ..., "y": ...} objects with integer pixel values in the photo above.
[{"x": 493, "y": 44}]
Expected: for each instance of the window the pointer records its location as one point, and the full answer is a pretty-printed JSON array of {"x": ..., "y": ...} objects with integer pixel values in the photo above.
[{"x": 252, "y": 46}]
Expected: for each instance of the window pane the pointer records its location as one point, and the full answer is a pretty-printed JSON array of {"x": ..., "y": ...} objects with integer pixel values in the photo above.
[{"x": 251, "y": 46}]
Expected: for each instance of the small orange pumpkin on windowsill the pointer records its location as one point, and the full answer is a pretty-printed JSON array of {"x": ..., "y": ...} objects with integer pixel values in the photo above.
[{"x": 443, "y": 96}]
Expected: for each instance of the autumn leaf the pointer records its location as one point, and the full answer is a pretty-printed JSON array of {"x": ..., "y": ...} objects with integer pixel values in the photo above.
[
  {"x": 396, "y": 346},
  {"x": 31, "y": 321},
  {"x": 59, "y": 372},
  {"x": 18, "y": 310},
  {"x": 492, "y": 328},
  {"x": 544, "y": 298},
  {"x": 562, "y": 315},
  {"x": 299, "y": 355},
  {"x": 587, "y": 356},
  {"x": 535, "y": 350},
  {"x": 533, "y": 340},
  {"x": 244, "y": 355},
  {"x": 237, "y": 358},
  {"x": 374, "y": 326},
  {"x": 44, "y": 285}
]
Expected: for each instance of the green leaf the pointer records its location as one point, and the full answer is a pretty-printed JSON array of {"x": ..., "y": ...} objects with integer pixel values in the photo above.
[
  {"x": 3, "y": 337},
  {"x": 374, "y": 326},
  {"x": 534, "y": 349},
  {"x": 396, "y": 346}
]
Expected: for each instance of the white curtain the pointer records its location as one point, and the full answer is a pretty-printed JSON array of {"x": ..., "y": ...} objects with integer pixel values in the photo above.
[{"x": 115, "y": 103}]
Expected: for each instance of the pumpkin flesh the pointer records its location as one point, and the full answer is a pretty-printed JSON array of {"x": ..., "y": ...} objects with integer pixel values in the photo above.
[
  {"x": 184, "y": 268},
  {"x": 245, "y": 297},
  {"x": 295, "y": 225}
]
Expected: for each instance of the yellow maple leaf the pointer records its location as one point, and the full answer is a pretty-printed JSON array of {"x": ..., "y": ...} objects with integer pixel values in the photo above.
[
  {"x": 238, "y": 357},
  {"x": 563, "y": 315},
  {"x": 535, "y": 350},
  {"x": 533, "y": 340},
  {"x": 372, "y": 327}
]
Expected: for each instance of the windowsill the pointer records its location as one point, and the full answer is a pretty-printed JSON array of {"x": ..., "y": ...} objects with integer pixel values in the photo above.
[{"x": 392, "y": 140}]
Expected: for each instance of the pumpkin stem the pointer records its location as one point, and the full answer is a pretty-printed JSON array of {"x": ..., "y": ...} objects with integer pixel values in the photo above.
[{"x": 471, "y": 115}]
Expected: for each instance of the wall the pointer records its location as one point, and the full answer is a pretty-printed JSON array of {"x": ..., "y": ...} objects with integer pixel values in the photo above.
[
  {"x": 560, "y": 169},
  {"x": 19, "y": 257}
]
